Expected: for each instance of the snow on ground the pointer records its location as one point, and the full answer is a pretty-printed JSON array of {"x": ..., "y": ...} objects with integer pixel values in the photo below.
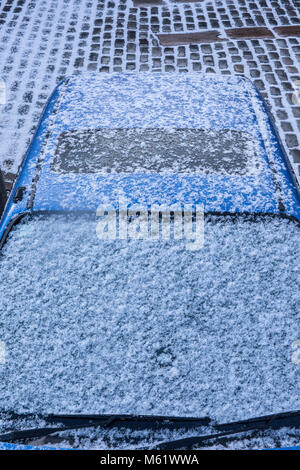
[{"x": 43, "y": 41}]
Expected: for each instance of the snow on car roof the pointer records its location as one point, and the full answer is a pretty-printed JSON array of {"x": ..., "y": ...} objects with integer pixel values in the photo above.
[
  {"x": 155, "y": 100},
  {"x": 148, "y": 327},
  {"x": 94, "y": 103},
  {"x": 162, "y": 101}
]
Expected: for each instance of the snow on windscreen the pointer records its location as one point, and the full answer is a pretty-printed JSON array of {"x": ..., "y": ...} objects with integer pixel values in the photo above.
[
  {"x": 222, "y": 151},
  {"x": 148, "y": 327}
]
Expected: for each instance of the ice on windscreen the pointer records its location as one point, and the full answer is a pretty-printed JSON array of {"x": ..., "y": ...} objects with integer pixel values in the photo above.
[{"x": 149, "y": 327}]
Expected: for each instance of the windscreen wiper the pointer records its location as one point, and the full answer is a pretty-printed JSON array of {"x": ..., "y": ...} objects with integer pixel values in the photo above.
[
  {"x": 69, "y": 422},
  {"x": 275, "y": 421}
]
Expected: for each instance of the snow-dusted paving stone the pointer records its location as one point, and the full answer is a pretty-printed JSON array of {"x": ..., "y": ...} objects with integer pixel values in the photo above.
[
  {"x": 249, "y": 33},
  {"x": 178, "y": 39},
  {"x": 43, "y": 41}
]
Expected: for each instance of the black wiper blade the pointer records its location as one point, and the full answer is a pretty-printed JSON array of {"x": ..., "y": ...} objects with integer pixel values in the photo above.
[
  {"x": 275, "y": 421},
  {"x": 34, "y": 433},
  {"x": 124, "y": 420},
  {"x": 70, "y": 422}
]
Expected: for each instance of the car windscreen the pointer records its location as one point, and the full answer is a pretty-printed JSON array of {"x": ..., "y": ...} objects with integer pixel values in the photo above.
[
  {"x": 92, "y": 325},
  {"x": 222, "y": 151}
]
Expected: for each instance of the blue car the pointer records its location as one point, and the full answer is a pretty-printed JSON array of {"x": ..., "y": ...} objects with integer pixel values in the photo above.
[{"x": 149, "y": 271}]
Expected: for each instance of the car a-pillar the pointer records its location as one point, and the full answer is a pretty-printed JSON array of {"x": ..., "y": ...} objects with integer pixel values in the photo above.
[{"x": 3, "y": 194}]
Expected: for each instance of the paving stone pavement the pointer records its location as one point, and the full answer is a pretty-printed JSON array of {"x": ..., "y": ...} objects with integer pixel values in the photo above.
[{"x": 41, "y": 41}]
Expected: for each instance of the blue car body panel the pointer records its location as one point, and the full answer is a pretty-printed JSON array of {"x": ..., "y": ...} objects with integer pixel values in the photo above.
[
  {"x": 8, "y": 446},
  {"x": 156, "y": 101}
]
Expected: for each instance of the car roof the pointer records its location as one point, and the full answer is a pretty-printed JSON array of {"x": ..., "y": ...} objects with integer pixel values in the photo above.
[{"x": 155, "y": 100}]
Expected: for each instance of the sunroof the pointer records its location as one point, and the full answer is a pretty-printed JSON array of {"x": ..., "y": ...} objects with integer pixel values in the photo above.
[{"x": 154, "y": 150}]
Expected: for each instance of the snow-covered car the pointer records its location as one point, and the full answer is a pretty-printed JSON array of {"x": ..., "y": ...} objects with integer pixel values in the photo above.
[{"x": 149, "y": 276}]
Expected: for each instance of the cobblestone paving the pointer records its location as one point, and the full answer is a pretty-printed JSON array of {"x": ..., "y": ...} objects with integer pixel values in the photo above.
[{"x": 41, "y": 41}]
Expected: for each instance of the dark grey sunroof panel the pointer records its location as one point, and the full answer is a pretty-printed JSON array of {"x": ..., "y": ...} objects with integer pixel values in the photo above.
[{"x": 155, "y": 151}]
